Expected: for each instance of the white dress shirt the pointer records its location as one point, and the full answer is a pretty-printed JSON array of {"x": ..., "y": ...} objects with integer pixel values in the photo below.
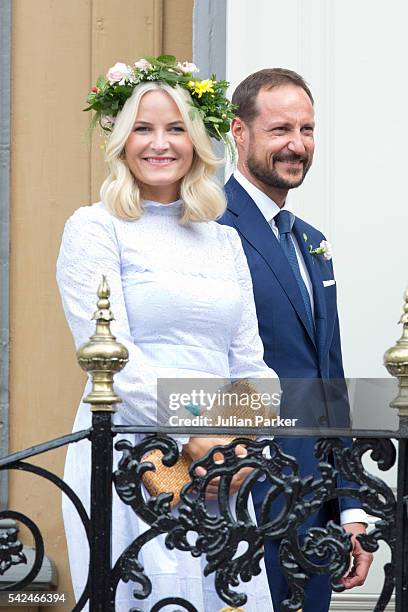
[{"x": 269, "y": 210}]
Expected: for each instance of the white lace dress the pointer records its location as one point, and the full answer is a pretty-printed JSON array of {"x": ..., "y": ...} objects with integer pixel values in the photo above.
[{"x": 183, "y": 306}]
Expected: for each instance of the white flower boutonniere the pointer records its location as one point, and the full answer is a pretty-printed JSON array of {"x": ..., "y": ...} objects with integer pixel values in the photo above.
[{"x": 325, "y": 249}]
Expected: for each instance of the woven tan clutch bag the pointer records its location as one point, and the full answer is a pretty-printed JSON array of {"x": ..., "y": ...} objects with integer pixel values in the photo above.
[{"x": 172, "y": 479}]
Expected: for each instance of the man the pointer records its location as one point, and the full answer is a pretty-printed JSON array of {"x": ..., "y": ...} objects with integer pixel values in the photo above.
[{"x": 295, "y": 291}]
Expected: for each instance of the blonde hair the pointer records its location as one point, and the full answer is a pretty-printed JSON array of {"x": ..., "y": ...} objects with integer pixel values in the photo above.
[{"x": 203, "y": 198}]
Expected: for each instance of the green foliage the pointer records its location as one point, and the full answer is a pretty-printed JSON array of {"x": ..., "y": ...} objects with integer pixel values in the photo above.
[
  {"x": 162, "y": 60},
  {"x": 107, "y": 99}
]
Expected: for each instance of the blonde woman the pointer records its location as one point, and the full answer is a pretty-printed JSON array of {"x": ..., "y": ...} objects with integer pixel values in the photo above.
[{"x": 180, "y": 292}]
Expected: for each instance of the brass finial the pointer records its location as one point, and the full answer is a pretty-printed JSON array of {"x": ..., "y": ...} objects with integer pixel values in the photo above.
[
  {"x": 102, "y": 356},
  {"x": 396, "y": 362}
]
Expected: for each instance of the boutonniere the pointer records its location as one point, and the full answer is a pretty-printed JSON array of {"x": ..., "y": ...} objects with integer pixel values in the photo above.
[{"x": 325, "y": 248}]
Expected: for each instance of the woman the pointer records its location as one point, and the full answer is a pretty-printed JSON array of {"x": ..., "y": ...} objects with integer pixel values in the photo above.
[{"x": 181, "y": 291}]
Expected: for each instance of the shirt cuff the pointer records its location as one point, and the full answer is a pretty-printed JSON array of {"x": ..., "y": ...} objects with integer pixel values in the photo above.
[
  {"x": 180, "y": 441},
  {"x": 353, "y": 515}
]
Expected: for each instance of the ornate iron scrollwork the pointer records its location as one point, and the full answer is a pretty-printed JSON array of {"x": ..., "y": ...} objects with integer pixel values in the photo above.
[
  {"x": 219, "y": 535},
  {"x": 226, "y": 535},
  {"x": 11, "y": 549},
  {"x": 376, "y": 497},
  {"x": 13, "y": 553}
]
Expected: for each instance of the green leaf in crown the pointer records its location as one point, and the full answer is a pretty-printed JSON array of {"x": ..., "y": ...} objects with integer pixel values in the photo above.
[{"x": 111, "y": 91}]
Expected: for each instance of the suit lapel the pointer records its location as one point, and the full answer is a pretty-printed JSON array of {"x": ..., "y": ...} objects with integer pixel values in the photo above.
[
  {"x": 253, "y": 226},
  {"x": 314, "y": 268}
]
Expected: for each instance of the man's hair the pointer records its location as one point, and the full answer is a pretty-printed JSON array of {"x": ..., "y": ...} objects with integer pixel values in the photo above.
[{"x": 247, "y": 91}]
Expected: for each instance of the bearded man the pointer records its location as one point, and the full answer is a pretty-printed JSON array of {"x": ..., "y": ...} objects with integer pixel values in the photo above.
[{"x": 295, "y": 290}]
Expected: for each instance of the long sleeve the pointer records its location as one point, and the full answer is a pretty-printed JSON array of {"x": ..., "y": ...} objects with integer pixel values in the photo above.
[
  {"x": 90, "y": 249},
  {"x": 246, "y": 350}
]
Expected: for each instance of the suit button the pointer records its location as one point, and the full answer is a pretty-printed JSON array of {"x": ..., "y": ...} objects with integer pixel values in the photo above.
[{"x": 322, "y": 420}]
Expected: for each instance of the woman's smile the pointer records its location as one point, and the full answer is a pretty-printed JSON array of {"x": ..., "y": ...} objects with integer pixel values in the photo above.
[
  {"x": 159, "y": 151},
  {"x": 159, "y": 161}
]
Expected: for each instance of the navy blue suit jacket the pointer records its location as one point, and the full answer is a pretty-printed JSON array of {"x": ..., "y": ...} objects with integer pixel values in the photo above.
[{"x": 290, "y": 346}]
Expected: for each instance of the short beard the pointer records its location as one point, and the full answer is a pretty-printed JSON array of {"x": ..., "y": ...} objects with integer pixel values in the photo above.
[{"x": 269, "y": 176}]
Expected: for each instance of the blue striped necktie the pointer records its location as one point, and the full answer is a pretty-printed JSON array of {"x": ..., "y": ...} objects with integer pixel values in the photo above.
[{"x": 284, "y": 224}]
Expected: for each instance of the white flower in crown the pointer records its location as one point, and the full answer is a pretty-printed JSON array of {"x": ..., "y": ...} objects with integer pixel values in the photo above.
[
  {"x": 187, "y": 67},
  {"x": 111, "y": 91},
  {"x": 142, "y": 64},
  {"x": 119, "y": 73}
]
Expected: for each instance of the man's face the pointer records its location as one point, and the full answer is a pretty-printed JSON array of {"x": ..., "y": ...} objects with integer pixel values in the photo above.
[{"x": 277, "y": 146}]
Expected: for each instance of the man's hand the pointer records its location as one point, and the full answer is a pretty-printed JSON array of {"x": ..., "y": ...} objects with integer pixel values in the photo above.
[
  {"x": 361, "y": 559},
  {"x": 198, "y": 447}
]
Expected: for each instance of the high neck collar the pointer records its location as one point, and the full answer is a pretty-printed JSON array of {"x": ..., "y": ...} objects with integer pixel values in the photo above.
[{"x": 173, "y": 208}]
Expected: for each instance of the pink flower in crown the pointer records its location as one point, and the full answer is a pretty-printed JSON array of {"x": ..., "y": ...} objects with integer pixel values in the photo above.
[
  {"x": 107, "y": 121},
  {"x": 142, "y": 64},
  {"x": 187, "y": 67},
  {"x": 119, "y": 73}
]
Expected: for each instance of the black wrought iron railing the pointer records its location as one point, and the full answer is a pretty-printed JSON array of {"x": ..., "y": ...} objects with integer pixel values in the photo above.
[{"x": 220, "y": 535}]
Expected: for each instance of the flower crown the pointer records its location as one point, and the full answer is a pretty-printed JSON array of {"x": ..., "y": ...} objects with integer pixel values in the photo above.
[{"x": 109, "y": 95}]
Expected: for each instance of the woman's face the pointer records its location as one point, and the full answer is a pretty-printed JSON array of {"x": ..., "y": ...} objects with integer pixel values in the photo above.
[{"x": 159, "y": 152}]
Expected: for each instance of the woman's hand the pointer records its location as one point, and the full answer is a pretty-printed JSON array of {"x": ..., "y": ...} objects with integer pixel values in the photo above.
[{"x": 198, "y": 447}]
